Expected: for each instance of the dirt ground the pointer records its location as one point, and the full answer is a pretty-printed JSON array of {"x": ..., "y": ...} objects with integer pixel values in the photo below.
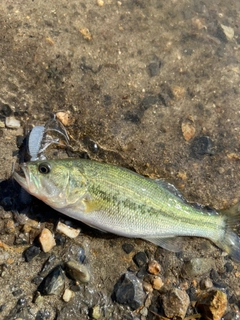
[{"x": 149, "y": 85}]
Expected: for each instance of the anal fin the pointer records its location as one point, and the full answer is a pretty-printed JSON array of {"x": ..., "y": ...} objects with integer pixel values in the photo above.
[{"x": 174, "y": 244}]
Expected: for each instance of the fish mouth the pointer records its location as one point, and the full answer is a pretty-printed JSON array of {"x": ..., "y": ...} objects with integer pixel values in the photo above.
[{"x": 22, "y": 177}]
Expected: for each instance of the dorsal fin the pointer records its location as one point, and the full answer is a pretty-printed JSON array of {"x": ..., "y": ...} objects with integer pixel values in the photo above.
[{"x": 171, "y": 188}]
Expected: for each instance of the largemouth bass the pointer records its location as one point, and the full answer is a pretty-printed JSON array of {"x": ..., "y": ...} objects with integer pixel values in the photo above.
[{"x": 119, "y": 201}]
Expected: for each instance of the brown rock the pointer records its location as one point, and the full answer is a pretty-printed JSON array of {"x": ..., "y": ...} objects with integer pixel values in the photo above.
[
  {"x": 188, "y": 129},
  {"x": 10, "y": 226},
  {"x": 157, "y": 283},
  {"x": 213, "y": 303},
  {"x": 175, "y": 303},
  {"x": 46, "y": 240},
  {"x": 154, "y": 267}
]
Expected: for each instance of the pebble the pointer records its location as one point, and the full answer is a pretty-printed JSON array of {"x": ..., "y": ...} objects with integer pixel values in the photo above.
[
  {"x": 154, "y": 267},
  {"x": 228, "y": 267},
  {"x": 86, "y": 34},
  {"x": 2, "y": 307},
  {"x": 206, "y": 284},
  {"x": 47, "y": 240},
  {"x": 229, "y": 32},
  {"x": 77, "y": 253},
  {"x": 6, "y": 110},
  {"x": 64, "y": 117},
  {"x": 12, "y": 123},
  {"x": 129, "y": 291},
  {"x": 140, "y": 259},
  {"x": 47, "y": 264},
  {"x": 17, "y": 292},
  {"x": 68, "y": 231},
  {"x": 31, "y": 253},
  {"x": 60, "y": 239},
  {"x": 175, "y": 303},
  {"x": 43, "y": 315},
  {"x": 202, "y": 146},
  {"x": 147, "y": 287},
  {"x": 77, "y": 271},
  {"x": 127, "y": 247},
  {"x": 157, "y": 283},
  {"x": 68, "y": 295},
  {"x": 95, "y": 312},
  {"x": 154, "y": 68},
  {"x": 197, "y": 266},
  {"x": 100, "y": 3},
  {"x": 10, "y": 226},
  {"x": 53, "y": 283},
  {"x": 188, "y": 129},
  {"x": 213, "y": 304}
]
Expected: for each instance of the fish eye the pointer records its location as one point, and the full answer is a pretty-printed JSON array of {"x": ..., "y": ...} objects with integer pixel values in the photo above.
[{"x": 44, "y": 168}]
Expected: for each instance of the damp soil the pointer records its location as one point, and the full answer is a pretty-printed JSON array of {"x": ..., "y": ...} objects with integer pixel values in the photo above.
[{"x": 152, "y": 86}]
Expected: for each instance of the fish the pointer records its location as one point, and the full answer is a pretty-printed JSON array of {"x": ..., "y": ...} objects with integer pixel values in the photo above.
[{"x": 117, "y": 200}]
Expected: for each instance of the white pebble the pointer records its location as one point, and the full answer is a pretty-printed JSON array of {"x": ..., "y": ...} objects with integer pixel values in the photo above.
[
  {"x": 68, "y": 231},
  {"x": 68, "y": 294},
  {"x": 12, "y": 123}
]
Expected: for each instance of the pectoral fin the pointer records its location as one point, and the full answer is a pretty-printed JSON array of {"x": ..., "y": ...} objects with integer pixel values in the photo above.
[
  {"x": 174, "y": 244},
  {"x": 92, "y": 205}
]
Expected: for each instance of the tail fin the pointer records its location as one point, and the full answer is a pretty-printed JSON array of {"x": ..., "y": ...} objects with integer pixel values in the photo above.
[
  {"x": 231, "y": 244},
  {"x": 231, "y": 241}
]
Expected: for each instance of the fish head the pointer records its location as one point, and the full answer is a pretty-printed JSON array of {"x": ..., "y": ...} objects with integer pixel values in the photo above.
[{"x": 56, "y": 182}]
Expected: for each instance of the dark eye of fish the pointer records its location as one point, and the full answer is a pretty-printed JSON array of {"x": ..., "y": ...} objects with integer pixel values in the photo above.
[{"x": 44, "y": 168}]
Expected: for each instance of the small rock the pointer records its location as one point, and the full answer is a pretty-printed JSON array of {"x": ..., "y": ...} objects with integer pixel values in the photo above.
[
  {"x": 147, "y": 287},
  {"x": 9, "y": 226},
  {"x": 17, "y": 292},
  {"x": 140, "y": 259},
  {"x": 96, "y": 312},
  {"x": 2, "y": 307},
  {"x": 77, "y": 253},
  {"x": 81, "y": 255},
  {"x": 175, "y": 303},
  {"x": 188, "y": 129},
  {"x": 229, "y": 32},
  {"x": 86, "y": 34},
  {"x": 206, "y": 284},
  {"x": 77, "y": 271},
  {"x": 202, "y": 146},
  {"x": 129, "y": 291},
  {"x": 68, "y": 294},
  {"x": 144, "y": 311},
  {"x": 60, "y": 239},
  {"x": 47, "y": 240},
  {"x": 48, "y": 264},
  {"x": 127, "y": 247},
  {"x": 5, "y": 110},
  {"x": 43, "y": 315},
  {"x": 53, "y": 283},
  {"x": 157, "y": 283},
  {"x": 213, "y": 304},
  {"x": 30, "y": 253},
  {"x": 197, "y": 266},
  {"x": 12, "y": 123},
  {"x": 154, "y": 68},
  {"x": 154, "y": 267},
  {"x": 65, "y": 117},
  {"x": 228, "y": 267},
  {"x": 68, "y": 231},
  {"x": 100, "y": 3}
]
